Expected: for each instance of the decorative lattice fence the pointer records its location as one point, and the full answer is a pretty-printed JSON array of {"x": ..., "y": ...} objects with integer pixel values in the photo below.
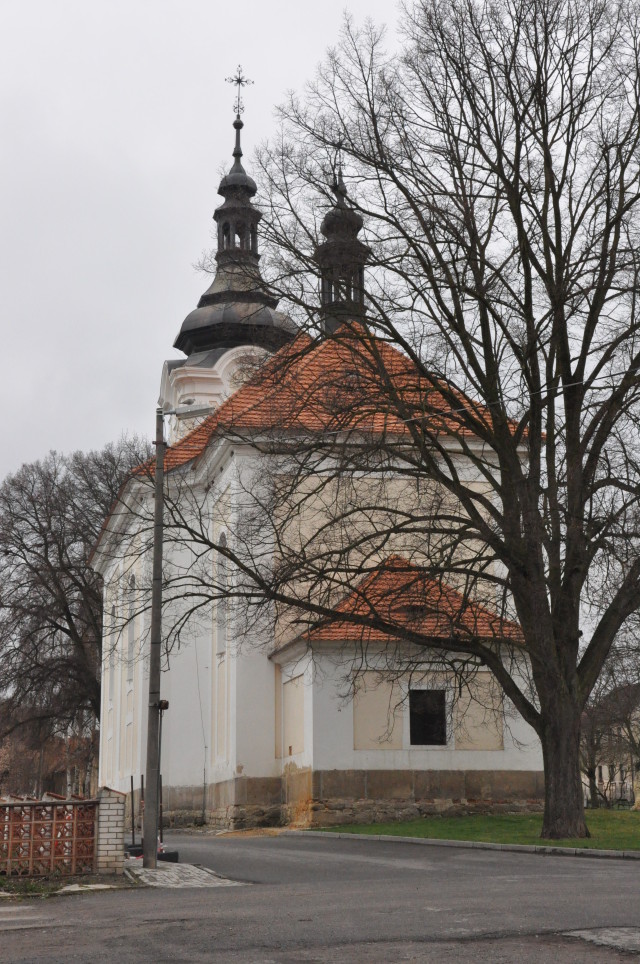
[{"x": 42, "y": 838}]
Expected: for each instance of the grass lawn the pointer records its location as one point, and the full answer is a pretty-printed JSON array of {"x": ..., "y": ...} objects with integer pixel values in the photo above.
[{"x": 610, "y": 830}]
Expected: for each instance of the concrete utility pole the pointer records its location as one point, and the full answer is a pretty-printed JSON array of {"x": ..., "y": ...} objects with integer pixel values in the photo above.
[{"x": 150, "y": 821}]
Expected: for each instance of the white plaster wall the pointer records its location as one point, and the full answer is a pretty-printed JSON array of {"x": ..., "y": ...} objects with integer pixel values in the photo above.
[
  {"x": 332, "y": 720},
  {"x": 255, "y": 722},
  {"x": 142, "y": 701},
  {"x": 111, "y": 695},
  {"x": 205, "y": 387},
  {"x": 253, "y": 697},
  {"x": 301, "y": 667},
  {"x": 102, "y": 777},
  {"x": 186, "y": 723},
  {"x": 333, "y": 737},
  {"x": 183, "y": 753}
]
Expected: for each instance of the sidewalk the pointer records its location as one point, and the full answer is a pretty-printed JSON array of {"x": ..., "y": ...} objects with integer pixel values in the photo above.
[{"x": 175, "y": 876}]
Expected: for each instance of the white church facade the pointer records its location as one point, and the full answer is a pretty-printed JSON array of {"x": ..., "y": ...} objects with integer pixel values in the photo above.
[{"x": 263, "y": 730}]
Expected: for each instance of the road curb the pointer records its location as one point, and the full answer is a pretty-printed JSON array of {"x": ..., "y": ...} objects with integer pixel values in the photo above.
[{"x": 477, "y": 845}]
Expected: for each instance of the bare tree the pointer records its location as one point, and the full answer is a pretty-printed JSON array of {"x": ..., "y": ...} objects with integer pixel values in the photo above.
[
  {"x": 38, "y": 758},
  {"x": 611, "y": 722},
  {"x": 496, "y": 167},
  {"x": 51, "y": 513}
]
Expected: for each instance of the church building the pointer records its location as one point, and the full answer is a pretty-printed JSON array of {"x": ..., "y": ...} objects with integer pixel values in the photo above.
[{"x": 269, "y": 723}]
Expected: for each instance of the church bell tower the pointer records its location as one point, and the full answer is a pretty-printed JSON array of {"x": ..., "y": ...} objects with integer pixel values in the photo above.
[
  {"x": 236, "y": 323},
  {"x": 341, "y": 259},
  {"x": 237, "y": 308}
]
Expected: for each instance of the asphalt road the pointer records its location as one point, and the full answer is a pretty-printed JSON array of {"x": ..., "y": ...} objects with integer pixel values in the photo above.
[{"x": 310, "y": 899}]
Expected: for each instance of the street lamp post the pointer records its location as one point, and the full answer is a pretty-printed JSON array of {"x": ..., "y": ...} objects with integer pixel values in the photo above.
[
  {"x": 150, "y": 821},
  {"x": 156, "y": 706}
]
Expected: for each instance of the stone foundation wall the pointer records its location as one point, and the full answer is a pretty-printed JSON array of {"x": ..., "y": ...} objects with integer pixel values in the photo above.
[
  {"x": 374, "y": 796},
  {"x": 304, "y": 798},
  {"x": 236, "y": 804}
]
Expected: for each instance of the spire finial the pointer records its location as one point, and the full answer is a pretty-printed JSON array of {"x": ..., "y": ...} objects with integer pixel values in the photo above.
[
  {"x": 240, "y": 81},
  {"x": 339, "y": 187}
]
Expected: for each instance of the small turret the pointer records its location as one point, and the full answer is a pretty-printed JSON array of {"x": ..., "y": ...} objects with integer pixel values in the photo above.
[{"x": 341, "y": 259}]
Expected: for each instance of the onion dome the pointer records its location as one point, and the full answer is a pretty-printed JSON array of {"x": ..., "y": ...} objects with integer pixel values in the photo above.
[{"x": 238, "y": 308}]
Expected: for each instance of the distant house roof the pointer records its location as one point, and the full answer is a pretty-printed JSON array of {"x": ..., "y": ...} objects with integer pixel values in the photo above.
[{"x": 406, "y": 597}]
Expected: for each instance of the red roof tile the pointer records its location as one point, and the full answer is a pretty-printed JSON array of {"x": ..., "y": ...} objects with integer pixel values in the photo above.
[
  {"x": 407, "y": 598},
  {"x": 336, "y": 386}
]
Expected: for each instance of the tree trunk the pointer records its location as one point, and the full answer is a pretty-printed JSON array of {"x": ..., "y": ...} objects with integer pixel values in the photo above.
[
  {"x": 88, "y": 770},
  {"x": 593, "y": 789},
  {"x": 563, "y": 794}
]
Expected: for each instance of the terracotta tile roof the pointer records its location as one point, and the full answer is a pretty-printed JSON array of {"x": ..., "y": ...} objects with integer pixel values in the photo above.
[
  {"x": 336, "y": 386},
  {"x": 405, "y": 596},
  {"x": 331, "y": 386}
]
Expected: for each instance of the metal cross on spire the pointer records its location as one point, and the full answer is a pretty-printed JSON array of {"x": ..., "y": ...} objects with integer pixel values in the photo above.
[
  {"x": 338, "y": 182},
  {"x": 240, "y": 81}
]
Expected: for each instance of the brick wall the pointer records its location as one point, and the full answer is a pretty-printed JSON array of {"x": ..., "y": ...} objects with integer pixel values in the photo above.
[{"x": 110, "y": 843}]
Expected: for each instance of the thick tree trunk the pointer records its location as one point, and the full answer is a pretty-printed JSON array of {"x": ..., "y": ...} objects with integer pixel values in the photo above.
[{"x": 564, "y": 803}]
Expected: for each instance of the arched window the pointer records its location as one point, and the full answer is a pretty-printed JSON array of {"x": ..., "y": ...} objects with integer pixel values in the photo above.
[
  {"x": 131, "y": 629},
  {"x": 221, "y": 605}
]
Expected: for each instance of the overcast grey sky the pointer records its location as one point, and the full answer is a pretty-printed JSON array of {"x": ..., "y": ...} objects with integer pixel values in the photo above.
[{"x": 115, "y": 120}]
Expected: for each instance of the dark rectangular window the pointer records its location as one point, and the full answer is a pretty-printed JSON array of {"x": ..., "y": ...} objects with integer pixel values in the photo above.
[{"x": 428, "y": 717}]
